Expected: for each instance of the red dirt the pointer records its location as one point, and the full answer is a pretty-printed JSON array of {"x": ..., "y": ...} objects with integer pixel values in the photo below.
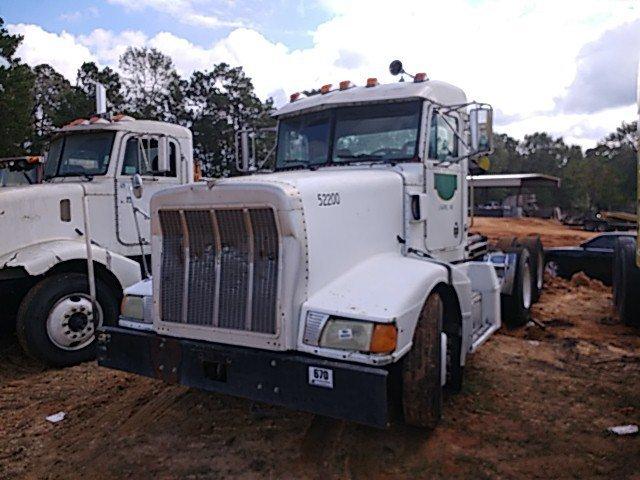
[
  {"x": 535, "y": 404},
  {"x": 552, "y": 233}
]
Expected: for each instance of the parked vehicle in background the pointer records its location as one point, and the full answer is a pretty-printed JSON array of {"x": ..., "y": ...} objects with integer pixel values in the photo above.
[
  {"x": 343, "y": 279},
  {"x": 609, "y": 221},
  {"x": 43, "y": 258},
  {"x": 18, "y": 171},
  {"x": 593, "y": 257},
  {"x": 626, "y": 262}
]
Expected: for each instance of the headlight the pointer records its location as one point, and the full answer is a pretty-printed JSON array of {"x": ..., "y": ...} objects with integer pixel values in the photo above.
[
  {"x": 132, "y": 307},
  {"x": 345, "y": 334}
]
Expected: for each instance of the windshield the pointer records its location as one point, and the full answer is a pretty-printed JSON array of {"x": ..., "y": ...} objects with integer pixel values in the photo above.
[
  {"x": 383, "y": 132},
  {"x": 18, "y": 178},
  {"x": 79, "y": 154}
]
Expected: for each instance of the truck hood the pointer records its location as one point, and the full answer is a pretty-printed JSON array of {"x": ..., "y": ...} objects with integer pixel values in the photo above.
[
  {"x": 330, "y": 211},
  {"x": 34, "y": 214}
]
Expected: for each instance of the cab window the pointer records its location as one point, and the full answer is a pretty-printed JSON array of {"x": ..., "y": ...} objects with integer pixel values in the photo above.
[
  {"x": 141, "y": 156},
  {"x": 443, "y": 143}
]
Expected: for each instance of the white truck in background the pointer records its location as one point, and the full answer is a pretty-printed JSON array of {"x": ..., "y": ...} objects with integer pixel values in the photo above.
[
  {"x": 17, "y": 171},
  {"x": 43, "y": 259},
  {"x": 339, "y": 281}
]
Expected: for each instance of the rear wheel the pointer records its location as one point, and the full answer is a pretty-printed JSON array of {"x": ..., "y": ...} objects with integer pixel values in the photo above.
[
  {"x": 629, "y": 287},
  {"x": 56, "y": 322},
  {"x": 516, "y": 308},
  {"x": 534, "y": 245},
  {"x": 421, "y": 368}
]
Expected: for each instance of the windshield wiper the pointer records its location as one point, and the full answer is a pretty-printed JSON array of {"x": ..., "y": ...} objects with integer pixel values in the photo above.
[{"x": 362, "y": 156}]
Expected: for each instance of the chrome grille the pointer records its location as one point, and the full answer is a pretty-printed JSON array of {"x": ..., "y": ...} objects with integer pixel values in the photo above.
[
  {"x": 172, "y": 267},
  {"x": 220, "y": 268}
]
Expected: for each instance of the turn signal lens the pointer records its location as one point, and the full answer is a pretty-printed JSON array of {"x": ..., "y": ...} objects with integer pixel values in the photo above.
[
  {"x": 372, "y": 82},
  {"x": 346, "y": 84},
  {"x": 325, "y": 88},
  {"x": 384, "y": 338},
  {"x": 420, "y": 77},
  {"x": 294, "y": 97}
]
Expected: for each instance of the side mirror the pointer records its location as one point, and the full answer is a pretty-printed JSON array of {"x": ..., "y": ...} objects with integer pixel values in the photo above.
[
  {"x": 245, "y": 150},
  {"x": 136, "y": 185},
  {"x": 163, "y": 154},
  {"x": 481, "y": 126}
]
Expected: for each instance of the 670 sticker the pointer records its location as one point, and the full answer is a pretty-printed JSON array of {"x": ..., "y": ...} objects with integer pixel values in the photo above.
[{"x": 321, "y": 377}]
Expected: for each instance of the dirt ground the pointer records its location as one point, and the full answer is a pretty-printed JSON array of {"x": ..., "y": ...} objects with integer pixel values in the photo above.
[
  {"x": 535, "y": 404},
  {"x": 552, "y": 233}
]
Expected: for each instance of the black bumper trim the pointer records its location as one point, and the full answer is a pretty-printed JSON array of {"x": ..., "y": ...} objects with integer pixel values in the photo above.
[{"x": 359, "y": 392}]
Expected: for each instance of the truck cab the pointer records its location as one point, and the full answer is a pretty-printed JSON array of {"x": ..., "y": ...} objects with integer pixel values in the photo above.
[
  {"x": 337, "y": 276},
  {"x": 86, "y": 183}
]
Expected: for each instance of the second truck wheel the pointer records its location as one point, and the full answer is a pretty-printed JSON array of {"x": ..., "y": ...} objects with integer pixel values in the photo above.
[{"x": 56, "y": 323}]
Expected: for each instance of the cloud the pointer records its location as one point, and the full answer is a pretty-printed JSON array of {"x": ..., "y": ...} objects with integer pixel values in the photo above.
[
  {"x": 184, "y": 11},
  {"x": 62, "y": 51},
  {"x": 606, "y": 72},
  {"x": 519, "y": 57}
]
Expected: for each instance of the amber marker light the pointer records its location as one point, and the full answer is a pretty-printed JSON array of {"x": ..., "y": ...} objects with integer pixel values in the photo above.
[
  {"x": 384, "y": 338},
  {"x": 372, "y": 82},
  {"x": 346, "y": 84}
]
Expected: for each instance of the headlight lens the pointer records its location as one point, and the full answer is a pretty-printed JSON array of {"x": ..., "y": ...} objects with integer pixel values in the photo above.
[
  {"x": 347, "y": 335},
  {"x": 132, "y": 307},
  {"x": 359, "y": 336}
]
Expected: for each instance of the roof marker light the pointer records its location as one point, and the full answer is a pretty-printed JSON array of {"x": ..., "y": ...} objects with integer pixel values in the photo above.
[
  {"x": 294, "y": 97},
  {"x": 346, "y": 84},
  {"x": 325, "y": 88},
  {"x": 76, "y": 122},
  {"x": 121, "y": 117},
  {"x": 372, "y": 82},
  {"x": 420, "y": 77}
]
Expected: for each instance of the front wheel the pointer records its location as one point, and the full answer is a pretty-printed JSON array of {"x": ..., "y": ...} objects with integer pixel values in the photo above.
[
  {"x": 421, "y": 368},
  {"x": 56, "y": 322}
]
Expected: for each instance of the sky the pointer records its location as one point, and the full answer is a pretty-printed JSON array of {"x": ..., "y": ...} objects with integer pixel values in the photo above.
[{"x": 567, "y": 67}]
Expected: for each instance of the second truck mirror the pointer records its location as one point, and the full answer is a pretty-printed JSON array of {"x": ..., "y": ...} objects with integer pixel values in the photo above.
[
  {"x": 136, "y": 185},
  {"x": 163, "y": 154},
  {"x": 481, "y": 126}
]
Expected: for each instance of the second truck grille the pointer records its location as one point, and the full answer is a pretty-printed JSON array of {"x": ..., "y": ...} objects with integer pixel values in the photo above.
[{"x": 219, "y": 268}]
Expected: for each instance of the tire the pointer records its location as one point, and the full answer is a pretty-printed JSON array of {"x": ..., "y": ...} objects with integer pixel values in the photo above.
[
  {"x": 616, "y": 268},
  {"x": 629, "y": 286},
  {"x": 60, "y": 298},
  {"x": 421, "y": 372},
  {"x": 536, "y": 250},
  {"x": 516, "y": 308}
]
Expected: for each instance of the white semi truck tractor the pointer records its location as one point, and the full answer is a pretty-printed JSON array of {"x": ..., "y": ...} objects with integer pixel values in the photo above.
[
  {"x": 43, "y": 230},
  {"x": 626, "y": 260},
  {"x": 342, "y": 280}
]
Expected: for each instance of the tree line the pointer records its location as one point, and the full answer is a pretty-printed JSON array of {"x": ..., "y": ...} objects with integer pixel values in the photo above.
[{"x": 34, "y": 102}]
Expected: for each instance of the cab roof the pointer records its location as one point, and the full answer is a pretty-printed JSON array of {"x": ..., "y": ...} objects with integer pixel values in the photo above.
[
  {"x": 434, "y": 90},
  {"x": 135, "y": 126}
]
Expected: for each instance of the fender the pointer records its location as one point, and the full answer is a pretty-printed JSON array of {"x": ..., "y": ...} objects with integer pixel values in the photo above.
[
  {"x": 386, "y": 288},
  {"x": 39, "y": 258}
]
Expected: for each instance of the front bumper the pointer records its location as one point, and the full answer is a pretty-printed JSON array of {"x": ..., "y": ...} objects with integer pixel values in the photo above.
[{"x": 359, "y": 393}]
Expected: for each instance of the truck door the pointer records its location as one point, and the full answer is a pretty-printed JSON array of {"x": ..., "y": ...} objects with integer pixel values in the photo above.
[
  {"x": 142, "y": 154},
  {"x": 445, "y": 185}
]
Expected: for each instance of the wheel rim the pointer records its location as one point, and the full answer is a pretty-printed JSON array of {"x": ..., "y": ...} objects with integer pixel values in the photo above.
[
  {"x": 552, "y": 268},
  {"x": 540, "y": 272},
  {"x": 526, "y": 286},
  {"x": 71, "y": 323}
]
